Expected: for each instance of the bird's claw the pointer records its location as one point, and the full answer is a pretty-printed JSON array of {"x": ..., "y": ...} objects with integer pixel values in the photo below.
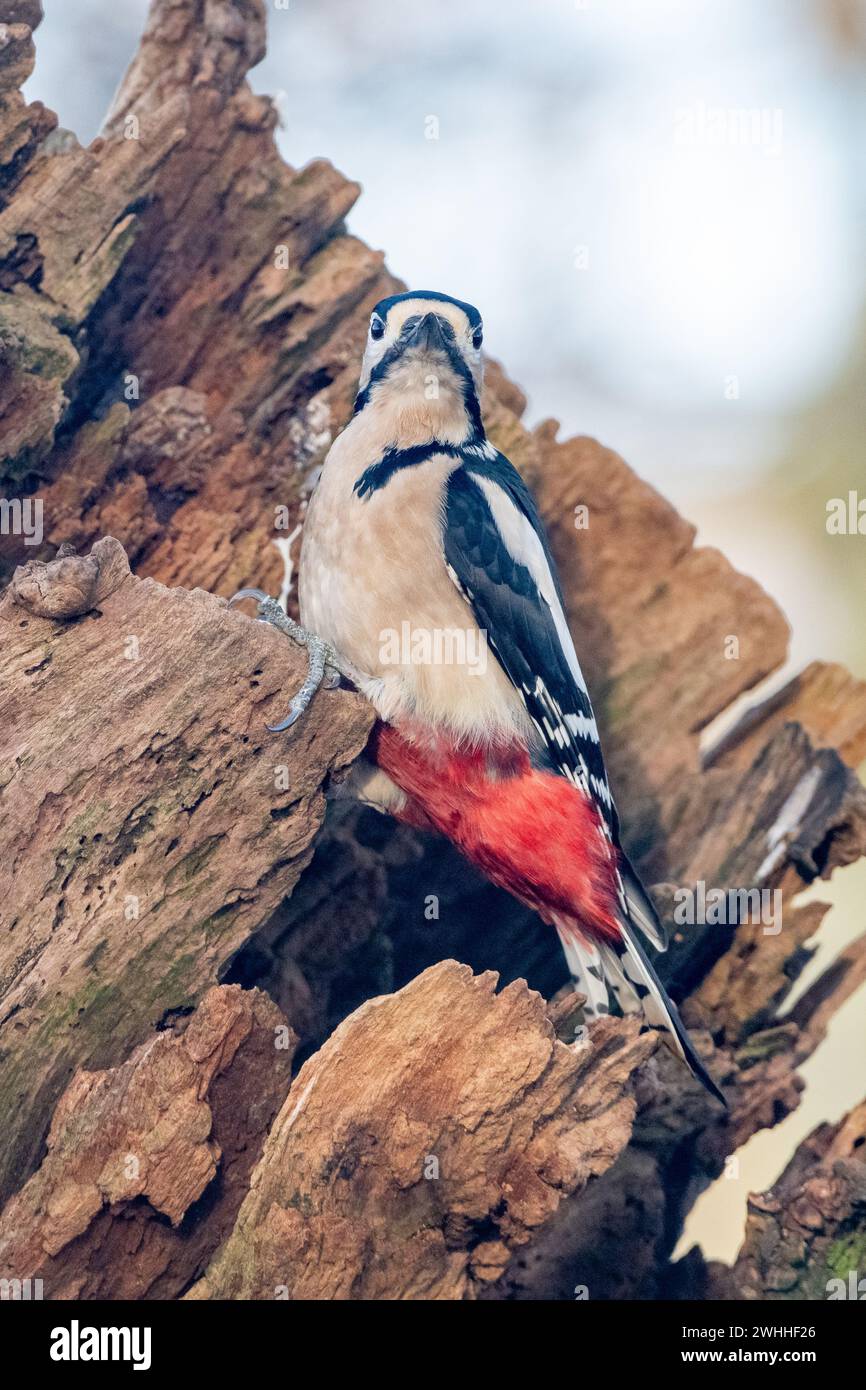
[
  {"x": 316, "y": 659},
  {"x": 258, "y": 594},
  {"x": 323, "y": 664}
]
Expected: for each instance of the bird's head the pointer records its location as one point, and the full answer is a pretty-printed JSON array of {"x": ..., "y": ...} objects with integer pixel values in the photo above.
[{"x": 423, "y": 356}]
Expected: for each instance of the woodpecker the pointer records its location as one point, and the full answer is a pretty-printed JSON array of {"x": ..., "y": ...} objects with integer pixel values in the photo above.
[{"x": 426, "y": 578}]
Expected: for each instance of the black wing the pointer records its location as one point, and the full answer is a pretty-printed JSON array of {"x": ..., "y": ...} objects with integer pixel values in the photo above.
[{"x": 507, "y": 575}]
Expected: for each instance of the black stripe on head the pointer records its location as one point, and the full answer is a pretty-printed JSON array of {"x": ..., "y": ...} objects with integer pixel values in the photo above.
[
  {"x": 379, "y": 372},
  {"x": 384, "y": 306},
  {"x": 470, "y": 394}
]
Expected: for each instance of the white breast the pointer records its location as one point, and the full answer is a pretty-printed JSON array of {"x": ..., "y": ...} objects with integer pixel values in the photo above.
[{"x": 373, "y": 582}]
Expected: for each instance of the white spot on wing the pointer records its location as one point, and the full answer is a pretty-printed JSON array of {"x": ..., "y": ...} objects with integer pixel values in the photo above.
[{"x": 583, "y": 726}]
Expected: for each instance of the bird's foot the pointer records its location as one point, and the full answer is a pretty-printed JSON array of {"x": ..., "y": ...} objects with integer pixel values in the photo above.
[{"x": 324, "y": 666}]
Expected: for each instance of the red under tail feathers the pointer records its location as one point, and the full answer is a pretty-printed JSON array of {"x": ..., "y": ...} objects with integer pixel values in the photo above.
[{"x": 528, "y": 831}]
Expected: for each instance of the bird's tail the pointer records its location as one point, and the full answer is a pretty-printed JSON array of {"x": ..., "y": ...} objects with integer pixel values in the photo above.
[
  {"x": 638, "y": 989},
  {"x": 623, "y": 965}
]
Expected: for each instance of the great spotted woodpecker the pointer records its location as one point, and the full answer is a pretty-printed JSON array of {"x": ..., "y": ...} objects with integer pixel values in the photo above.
[{"x": 427, "y": 579}]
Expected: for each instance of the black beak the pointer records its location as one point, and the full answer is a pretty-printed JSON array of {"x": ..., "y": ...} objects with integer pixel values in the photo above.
[{"x": 428, "y": 332}]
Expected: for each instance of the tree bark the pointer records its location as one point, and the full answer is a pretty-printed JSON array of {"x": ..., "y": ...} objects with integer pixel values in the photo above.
[
  {"x": 150, "y": 822},
  {"x": 147, "y": 1163},
  {"x": 449, "y": 1110},
  {"x": 806, "y": 1237}
]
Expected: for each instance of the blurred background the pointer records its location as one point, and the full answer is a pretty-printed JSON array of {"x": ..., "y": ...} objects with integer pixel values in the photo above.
[{"x": 660, "y": 211}]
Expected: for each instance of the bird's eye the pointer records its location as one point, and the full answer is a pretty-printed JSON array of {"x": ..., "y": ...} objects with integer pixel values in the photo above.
[
  {"x": 377, "y": 327},
  {"x": 478, "y": 337}
]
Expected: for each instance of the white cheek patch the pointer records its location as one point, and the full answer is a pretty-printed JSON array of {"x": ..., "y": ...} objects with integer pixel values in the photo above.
[{"x": 373, "y": 354}]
